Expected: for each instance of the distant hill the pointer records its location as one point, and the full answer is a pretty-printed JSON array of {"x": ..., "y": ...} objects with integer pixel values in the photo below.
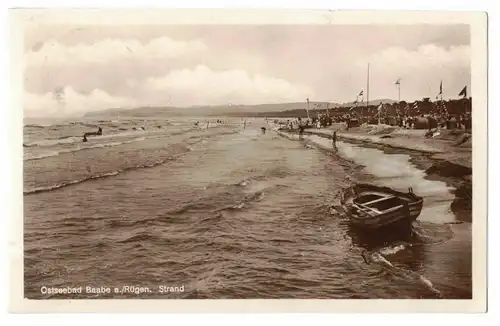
[
  {"x": 229, "y": 110},
  {"x": 208, "y": 110},
  {"x": 372, "y": 102}
]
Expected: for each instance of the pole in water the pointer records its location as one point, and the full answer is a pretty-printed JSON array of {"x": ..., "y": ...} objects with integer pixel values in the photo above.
[{"x": 208, "y": 122}]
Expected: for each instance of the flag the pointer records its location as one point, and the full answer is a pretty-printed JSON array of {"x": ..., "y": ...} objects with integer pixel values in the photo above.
[
  {"x": 307, "y": 111},
  {"x": 463, "y": 92},
  {"x": 398, "y": 81},
  {"x": 379, "y": 108},
  {"x": 58, "y": 94},
  {"x": 415, "y": 107},
  {"x": 361, "y": 93},
  {"x": 441, "y": 88}
]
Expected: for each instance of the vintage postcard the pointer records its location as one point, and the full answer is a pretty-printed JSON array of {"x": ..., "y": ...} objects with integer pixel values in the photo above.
[{"x": 249, "y": 161}]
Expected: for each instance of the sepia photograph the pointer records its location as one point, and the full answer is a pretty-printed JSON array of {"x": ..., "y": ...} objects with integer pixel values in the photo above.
[{"x": 211, "y": 158}]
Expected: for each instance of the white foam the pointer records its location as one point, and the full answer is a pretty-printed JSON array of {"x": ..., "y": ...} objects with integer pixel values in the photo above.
[
  {"x": 429, "y": 285},
  {"x": 378, "y": 258},
  {"x": 386, "y": 251},
  {"x": 78, "y": 139},
  {"x": 396, "y": 171},
  {"x": 30, "y": 156}
]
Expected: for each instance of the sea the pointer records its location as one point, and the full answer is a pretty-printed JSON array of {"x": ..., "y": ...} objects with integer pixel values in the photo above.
[{"x": 168, "y": 208}]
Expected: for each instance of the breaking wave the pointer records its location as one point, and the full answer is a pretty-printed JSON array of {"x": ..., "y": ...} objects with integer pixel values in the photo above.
[
  {"x": 78, "y": 139},
  {"x": 29, "y": 157},
  {"x": 380, "y": 258},
  {"x": 99, "y": 176}
]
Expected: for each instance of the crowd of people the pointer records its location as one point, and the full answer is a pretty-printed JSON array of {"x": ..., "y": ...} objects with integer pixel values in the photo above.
[{"x": 418, "y": 115}]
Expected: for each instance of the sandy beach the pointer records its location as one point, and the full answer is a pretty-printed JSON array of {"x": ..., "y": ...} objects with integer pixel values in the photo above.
[{"x": 442, "y": 147}]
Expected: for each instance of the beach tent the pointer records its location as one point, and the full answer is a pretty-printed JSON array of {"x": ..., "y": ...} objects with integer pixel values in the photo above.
[
  {"x": 391, "y": 121},
  {"x": 353, "y": 123},
  {"x": 425, "y": 123},
  {"x": 451, "y": 123}
]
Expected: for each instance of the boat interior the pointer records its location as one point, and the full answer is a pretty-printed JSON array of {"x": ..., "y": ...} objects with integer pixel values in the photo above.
[{"x": 379, "y": 202}]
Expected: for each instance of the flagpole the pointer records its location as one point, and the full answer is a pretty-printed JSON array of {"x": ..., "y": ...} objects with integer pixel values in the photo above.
[
  {"x": 399, "y": 90},
  {"x": 368, "y": 87},
  {"x": 441, "y": 94},
  {"x": 307, "y": 110}
]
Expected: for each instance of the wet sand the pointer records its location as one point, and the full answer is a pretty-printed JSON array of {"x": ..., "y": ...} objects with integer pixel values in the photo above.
[
  {"x": 442, "y": 147},
  {"x": 440, "y": 157}
]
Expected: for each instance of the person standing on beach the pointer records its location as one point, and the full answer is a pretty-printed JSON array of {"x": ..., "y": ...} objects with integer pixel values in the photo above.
[
  {"x": 334, "y": 139},
  {"x": 301, "y": 128}
]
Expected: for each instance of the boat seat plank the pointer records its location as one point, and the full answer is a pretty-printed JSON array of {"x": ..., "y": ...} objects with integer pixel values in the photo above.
[
  {"x": 379, "y": 200},
  {"x": 367, "y": 209}
]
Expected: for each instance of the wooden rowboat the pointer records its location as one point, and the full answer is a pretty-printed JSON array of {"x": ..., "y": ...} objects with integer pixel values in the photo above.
[{"x": 371, "y": 207}]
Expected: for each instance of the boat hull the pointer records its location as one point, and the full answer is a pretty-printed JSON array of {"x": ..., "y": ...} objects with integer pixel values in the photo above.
[{"x": 400, "y": 216}]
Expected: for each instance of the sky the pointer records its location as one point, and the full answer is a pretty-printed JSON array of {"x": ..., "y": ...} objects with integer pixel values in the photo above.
[{"x": 71, "y": 70}]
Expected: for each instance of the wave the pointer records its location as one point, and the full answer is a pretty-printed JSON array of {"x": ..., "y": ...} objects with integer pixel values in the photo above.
[
  {"x": 38, "y": 126},
  {"x": 68, "y": 183},
  {"x": 241, "y": 204},
  {"x": 189, "y": 207},
  {"x": 130, "y": 223},
  {"x": 378, "y": 257},
  {"x": 30, "y": 157},
  {"x": 54, "y": 141},
  {"x": 391, "y": 250},
  {"x": 138, "y": 238},
  {"x": 256, "y": 196},
  {"x": 99, "y": 176},
  {"x": 78, "y": 139},
  {"x": 229, "y": 208},
  {"x": 59, "y": 125}
]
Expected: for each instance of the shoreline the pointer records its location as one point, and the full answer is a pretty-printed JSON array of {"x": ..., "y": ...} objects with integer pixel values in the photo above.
[
  {"x": 439, "y": 159},
  {"x": 442, "y": 148}
]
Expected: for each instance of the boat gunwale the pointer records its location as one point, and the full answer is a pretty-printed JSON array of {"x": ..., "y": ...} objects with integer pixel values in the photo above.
[
  {"x": 362, "y": 218},
  {"x": 369, "y": 187}
]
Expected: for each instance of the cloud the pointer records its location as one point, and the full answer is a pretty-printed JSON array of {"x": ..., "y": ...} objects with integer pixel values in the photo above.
[
  {"x": 53, "y": 53},
  {"x": 421, "y": 71},
  {"x": 427, "y": 56},
  {"x": 66, "y": 102},
  {"x": 202, "y": 86},
  {"x": 183, "y": 87},
  {"x": 101, "y": 68}
]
